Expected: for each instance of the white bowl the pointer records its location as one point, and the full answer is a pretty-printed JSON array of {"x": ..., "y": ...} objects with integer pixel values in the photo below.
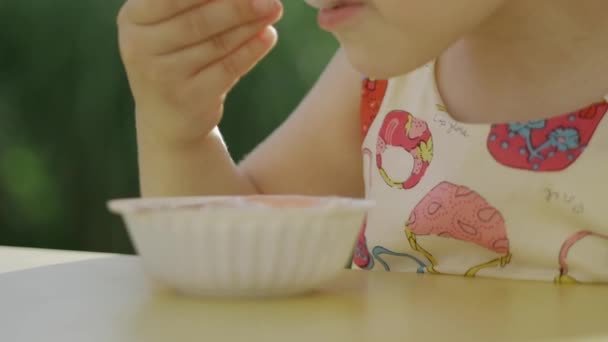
[{"x": 243, "y": 246}]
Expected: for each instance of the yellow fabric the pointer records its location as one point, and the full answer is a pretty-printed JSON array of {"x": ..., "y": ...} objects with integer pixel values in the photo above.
[{"x": 475, "y": 213}]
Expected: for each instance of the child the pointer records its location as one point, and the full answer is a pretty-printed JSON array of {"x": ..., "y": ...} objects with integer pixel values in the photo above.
[{"x": 482, "y": 125}]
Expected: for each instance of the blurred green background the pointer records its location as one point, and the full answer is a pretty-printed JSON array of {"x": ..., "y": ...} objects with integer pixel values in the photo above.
[{"x": 67, "y": 139}]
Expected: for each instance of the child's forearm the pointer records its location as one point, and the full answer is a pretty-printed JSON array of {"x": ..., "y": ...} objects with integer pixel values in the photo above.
[{"x": 201, "y": 168}]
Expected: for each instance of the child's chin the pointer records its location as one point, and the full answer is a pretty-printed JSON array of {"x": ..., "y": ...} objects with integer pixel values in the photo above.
[{"x": 373, "y": 65}]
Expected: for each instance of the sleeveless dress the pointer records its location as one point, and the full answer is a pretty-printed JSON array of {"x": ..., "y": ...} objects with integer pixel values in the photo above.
[{"x": 518, "y": 200}]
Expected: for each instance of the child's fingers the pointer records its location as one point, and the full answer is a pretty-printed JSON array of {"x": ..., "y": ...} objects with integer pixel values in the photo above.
[
  {"x": 148, "y": 12},
  {"x": 202, "y": 23},
  {"x": 223, "y": 74},
  {"x": 195, "y": 58},
  {"x": 187, "y": 59}
]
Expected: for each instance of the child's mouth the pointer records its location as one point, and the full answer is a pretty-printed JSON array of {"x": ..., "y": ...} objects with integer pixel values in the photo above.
[
  {"x": 331, "y": 5},
  {"x": 331, "y": 17},
  {"x": 344, "y": 3},
  {"x": 336, "y": 6}
]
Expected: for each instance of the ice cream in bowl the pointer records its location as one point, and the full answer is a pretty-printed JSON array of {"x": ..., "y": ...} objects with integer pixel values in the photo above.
[{"x": 243, "y": 246}]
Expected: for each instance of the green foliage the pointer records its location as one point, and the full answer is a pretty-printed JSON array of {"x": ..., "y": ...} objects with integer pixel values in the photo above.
[{"x": 67, "y": 140}]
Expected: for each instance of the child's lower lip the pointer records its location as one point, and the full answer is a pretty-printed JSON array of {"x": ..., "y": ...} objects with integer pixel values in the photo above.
[{"x": 331, "y": 18}]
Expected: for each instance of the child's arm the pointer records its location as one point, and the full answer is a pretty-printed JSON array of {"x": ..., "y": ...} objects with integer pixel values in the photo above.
[
  {"x": 182, "y": 58},
  {"x": 316, "y": 151}
]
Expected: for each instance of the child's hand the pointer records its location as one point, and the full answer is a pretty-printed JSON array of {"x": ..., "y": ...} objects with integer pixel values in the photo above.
[{"x": 182, "y": 57}]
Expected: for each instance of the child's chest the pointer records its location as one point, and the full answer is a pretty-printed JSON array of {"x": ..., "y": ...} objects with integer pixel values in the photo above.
[{"x": 495, "y": 186}]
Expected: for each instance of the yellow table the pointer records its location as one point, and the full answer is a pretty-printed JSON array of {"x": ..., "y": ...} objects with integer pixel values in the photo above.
[
  {"x": 110, "y": 300},
  {"x": 20, "y": 258}
]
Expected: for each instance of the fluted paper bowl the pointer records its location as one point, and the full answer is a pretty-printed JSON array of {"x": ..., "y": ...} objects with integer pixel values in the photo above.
[{"x": 243, "y": 246}]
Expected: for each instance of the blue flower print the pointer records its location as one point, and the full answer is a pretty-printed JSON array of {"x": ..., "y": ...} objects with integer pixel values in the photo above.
[
  {"x": 525, "y": 129},
  {"x": 565, "y": 139}
]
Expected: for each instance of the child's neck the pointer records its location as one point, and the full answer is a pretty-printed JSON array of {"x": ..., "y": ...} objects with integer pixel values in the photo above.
[{"x": 531, "y": 60}]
